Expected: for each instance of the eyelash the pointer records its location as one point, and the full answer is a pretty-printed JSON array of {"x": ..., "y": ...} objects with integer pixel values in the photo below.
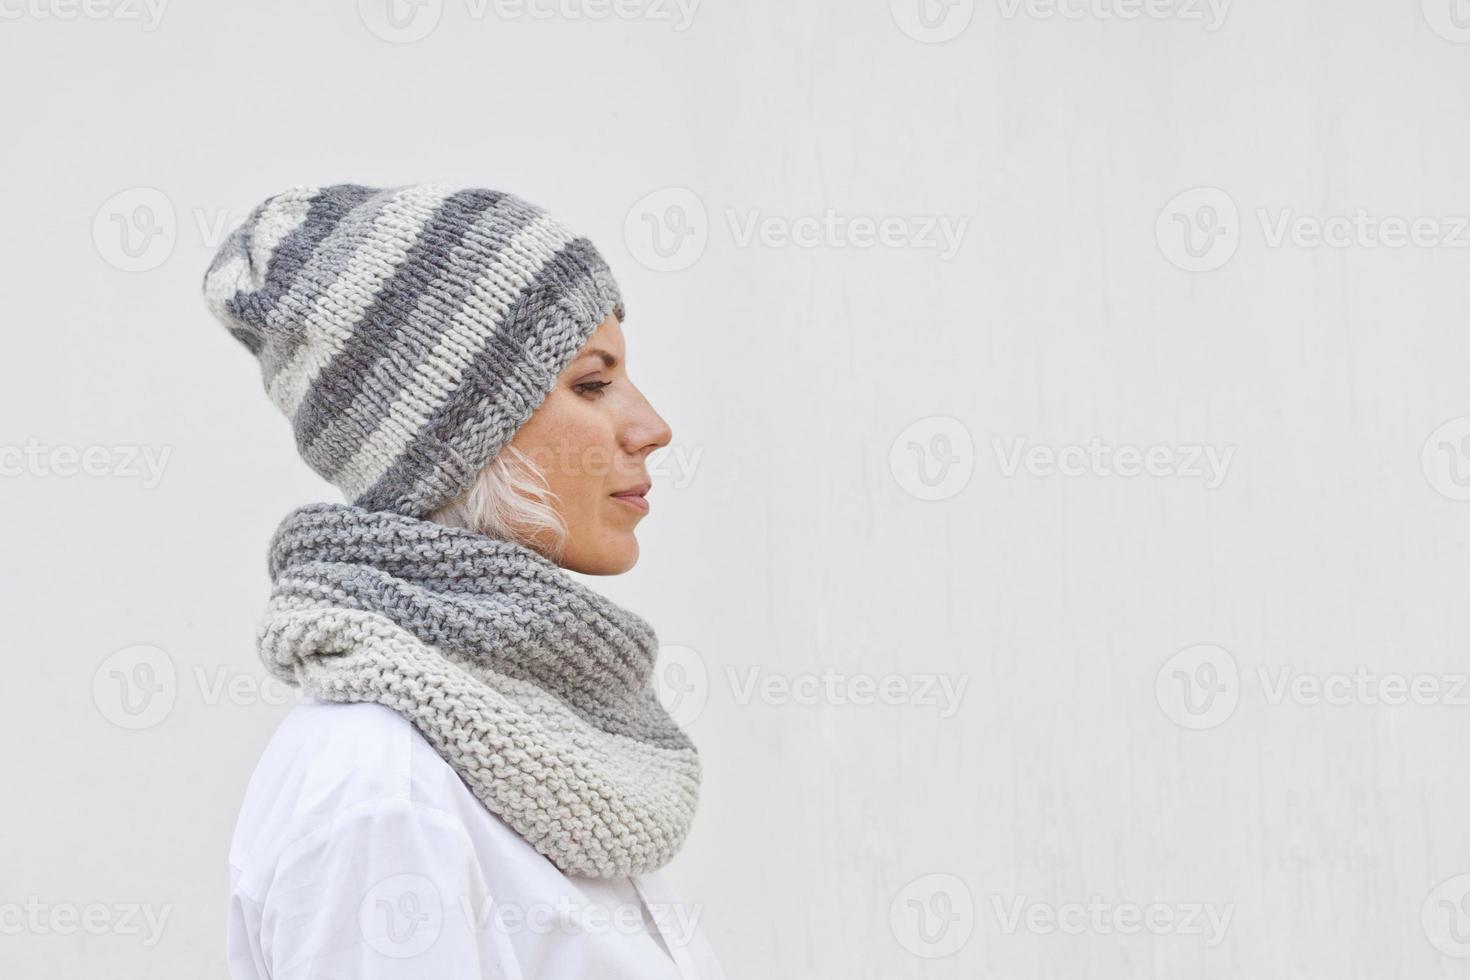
[{"x": 592, "y": 389}]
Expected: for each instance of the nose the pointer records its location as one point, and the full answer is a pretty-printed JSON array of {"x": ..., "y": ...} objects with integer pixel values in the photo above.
[{"x": 645, "y": 430}]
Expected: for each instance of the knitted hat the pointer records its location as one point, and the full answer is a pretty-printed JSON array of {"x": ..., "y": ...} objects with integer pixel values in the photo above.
[{"x": 407, "y": 332}]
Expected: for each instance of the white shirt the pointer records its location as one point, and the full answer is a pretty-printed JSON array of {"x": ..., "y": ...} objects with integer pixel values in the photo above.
[{"x": 359, "y": 854}]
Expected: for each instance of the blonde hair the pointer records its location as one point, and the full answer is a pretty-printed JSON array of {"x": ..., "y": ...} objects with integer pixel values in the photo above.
[{"x": 511, "y": 501}]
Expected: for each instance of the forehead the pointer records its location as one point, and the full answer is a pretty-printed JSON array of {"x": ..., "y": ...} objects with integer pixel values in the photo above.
[
  {"x": 607, "y": 338},
  {"x": 608, "y": 333}
]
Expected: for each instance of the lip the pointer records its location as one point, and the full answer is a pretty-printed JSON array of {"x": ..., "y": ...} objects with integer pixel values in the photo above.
[{"x": 635, "y": 496}]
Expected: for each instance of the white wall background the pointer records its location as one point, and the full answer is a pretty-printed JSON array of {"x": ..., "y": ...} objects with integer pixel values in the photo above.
[{"x": 836, "y": 839}]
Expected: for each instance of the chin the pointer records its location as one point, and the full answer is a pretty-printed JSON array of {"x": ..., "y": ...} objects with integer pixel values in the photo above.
[{"x": 614, "y": 554}]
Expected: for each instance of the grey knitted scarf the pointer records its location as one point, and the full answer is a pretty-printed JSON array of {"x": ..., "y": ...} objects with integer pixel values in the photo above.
[{"x": 537, "y": 690}]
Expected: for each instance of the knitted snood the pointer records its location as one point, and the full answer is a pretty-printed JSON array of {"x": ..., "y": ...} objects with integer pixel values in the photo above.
[{"x": 537, "y": 690}]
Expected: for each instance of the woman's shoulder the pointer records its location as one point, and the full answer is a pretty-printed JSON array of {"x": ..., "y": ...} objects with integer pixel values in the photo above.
[
  {"x": 328, "y": 764},
  {"x": 343, "y": 779}
]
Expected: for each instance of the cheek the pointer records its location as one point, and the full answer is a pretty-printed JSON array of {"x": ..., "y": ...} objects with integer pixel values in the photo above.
[{"x": 573, "y": 445}]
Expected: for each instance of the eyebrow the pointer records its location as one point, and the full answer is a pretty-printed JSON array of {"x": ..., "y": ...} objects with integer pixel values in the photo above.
[{"x": 608, "y": 360}]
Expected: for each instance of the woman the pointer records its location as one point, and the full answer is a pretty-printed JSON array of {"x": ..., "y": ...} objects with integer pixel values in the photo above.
[{"x": 480, "y": 780}]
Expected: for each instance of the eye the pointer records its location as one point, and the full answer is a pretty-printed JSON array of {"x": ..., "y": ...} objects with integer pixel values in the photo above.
[{"x": 591, "y": 389}]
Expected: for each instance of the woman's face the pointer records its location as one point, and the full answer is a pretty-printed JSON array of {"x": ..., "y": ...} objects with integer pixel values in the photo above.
[{"x": 591, "y": 438}]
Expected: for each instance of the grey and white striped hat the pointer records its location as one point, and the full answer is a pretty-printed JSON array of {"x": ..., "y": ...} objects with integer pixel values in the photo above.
[{"x": 407, "y": 332}]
